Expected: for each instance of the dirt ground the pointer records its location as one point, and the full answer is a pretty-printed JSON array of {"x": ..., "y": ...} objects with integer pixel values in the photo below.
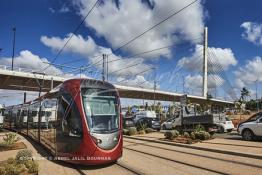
[{"x": 149, "y": 157}]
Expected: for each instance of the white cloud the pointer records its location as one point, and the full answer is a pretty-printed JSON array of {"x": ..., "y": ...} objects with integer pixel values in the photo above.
[
  {"x": 249, "y": 73},
  {"x": 88, "y": 49},
  {"x": 30, "y": 61},
  {"x": 77, "y": 44},
  {"x": 64, "y": 9},
  {"x": 120, "y": 23},
  {"x": 51, "y": 10},
  {"x": 253, "y": 32},
  {"x": 196, "y": 81},
  {"x": 217, "y": 57},
  {"x": 137, "y": 81}
]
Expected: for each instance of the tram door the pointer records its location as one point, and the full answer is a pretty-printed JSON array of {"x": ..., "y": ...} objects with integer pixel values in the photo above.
[{"x": 69, "y": 130}]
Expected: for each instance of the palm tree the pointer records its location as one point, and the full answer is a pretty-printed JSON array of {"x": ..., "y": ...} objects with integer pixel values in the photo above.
[{"x": 244, "y": 93}]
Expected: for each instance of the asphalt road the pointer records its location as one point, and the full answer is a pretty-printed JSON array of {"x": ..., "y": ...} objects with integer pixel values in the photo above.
[{"x": 226, "y": 135}]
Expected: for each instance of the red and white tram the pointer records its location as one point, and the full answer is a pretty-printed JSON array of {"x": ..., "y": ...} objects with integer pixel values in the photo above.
[{"x": 79, "y": 121}]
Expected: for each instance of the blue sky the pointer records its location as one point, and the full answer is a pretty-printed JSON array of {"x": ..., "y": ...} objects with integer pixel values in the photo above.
[{"x": 43, "y": 26}]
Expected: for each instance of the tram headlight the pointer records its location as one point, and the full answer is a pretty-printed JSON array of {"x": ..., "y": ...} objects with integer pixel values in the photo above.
[{"x": 96, "y": 140}]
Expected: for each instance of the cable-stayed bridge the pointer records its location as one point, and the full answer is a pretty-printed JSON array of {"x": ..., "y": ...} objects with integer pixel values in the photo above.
[{"x": 29, "y": 80}]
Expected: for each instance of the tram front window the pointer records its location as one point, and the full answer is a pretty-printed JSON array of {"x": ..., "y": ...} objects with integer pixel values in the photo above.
[{"x": 101, "y": 110}]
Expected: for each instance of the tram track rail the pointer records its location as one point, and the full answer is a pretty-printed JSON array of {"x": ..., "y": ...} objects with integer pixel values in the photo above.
[
  {"x": 129, "y": 168},
  {"x": 123, "y": 166},
  {"x": 176, "y": 161},
  {"x": 195, "y": 154},
  {"x": 229, "y": 152}
]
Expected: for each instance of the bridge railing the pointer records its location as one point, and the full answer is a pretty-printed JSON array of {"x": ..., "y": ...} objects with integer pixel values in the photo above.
[
  {"x": 18, "y": 69},
  {"x": 25, "y": 70}
]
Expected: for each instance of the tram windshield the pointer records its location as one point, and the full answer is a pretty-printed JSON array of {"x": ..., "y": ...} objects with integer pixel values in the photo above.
[{"x": 101, "y": 110}]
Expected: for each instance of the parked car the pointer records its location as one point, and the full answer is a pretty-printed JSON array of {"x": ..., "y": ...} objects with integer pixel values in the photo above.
[
  {"x": 144, "y": 114},
  {"x": 251, "y": 128},
  {"x": 225, "y": 126},
  {"x": 147, "y": 118},
  {"x": 168, "y": 124},
  {"x": 128, "y": 121},
  {"x": 153, "y": 123}
]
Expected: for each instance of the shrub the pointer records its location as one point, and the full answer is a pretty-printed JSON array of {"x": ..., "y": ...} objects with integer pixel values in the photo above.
[
  {"x": 132, "y": 131},
  {"x": 149, "y": 130},
  {"x": 193, "y": 136},
  {"x": 125, "y": 131},
  {"x": 202, "y": 135},
  {"x": 32, "y": 166},
  {"x": 141, "y": 126},
  {"x": 186, "y": 135},
  {"x": 20, "y": 168},
  {"x": 199, "y": 128},
  {"x": 23, "y": 156},
  {"x": 10, "y": 139},
  {"x": 207, "y": 135},
  {"x": 2, "y": 170},
  {"x": 11, "y": 160},
  {"x": 171, "y": 134},
  {"x": 141, "y": 132},
  {"x": 189, "y": 141},
  {"x": 12, "y": 169}
]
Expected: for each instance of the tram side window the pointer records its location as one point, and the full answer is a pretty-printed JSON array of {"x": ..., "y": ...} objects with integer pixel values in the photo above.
[{"x": 70, "y": 117}]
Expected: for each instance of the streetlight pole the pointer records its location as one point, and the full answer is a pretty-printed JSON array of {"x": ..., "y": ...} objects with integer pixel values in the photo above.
[
  {"x": 256, "y": 96},
  {"x": 154, "y": 86},
  {"x": 13, "y": 55}
]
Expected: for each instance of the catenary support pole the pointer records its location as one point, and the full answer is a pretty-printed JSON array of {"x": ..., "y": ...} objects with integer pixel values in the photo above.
[
  {"x": 24, "y": 97},
  {"x": 103, "y": 70},
  {"x": 13, "y": 54}
]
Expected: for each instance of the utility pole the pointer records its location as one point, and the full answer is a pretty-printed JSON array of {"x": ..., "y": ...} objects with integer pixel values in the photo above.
[
  {"x": 52, "y": 83},
  {"x": 183, "y": 84},
  {"x": 204, "y": 92},
  {"x": 103, "y": 71},
  {"x": 154, "y": 86},
  {"x": 13, "y": 55},
  {"x": 107, "y": 68},
  {"x": 24, "y": 97}
]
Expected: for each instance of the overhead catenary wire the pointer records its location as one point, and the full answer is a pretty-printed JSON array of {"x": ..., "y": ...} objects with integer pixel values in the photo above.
[
  {"x": 137, "y": 74},
  {"x": 129, "y": 40},
  {"x": 180, "y": 69},
  {"x": 72, "y": 34},
  {"x": 84, "y": 68},
  {"x": 142, "y": 53},
  {"x": 155, "y": 25},
  {"x": 228, "y": 84}
]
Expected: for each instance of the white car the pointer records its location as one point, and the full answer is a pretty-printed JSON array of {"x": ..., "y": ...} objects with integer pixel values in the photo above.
[
  {"x": 251, "y": 127},
  {"x": 225, "y": 126},
  {"x": 168, "y": 124}
]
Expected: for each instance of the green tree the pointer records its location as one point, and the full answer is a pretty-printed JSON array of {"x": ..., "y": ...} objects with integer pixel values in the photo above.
[{"x": 244, "y": 94}]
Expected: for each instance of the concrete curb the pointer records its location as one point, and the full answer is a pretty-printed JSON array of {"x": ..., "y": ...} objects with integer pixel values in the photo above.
[{"x": 222, "y": 151}]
